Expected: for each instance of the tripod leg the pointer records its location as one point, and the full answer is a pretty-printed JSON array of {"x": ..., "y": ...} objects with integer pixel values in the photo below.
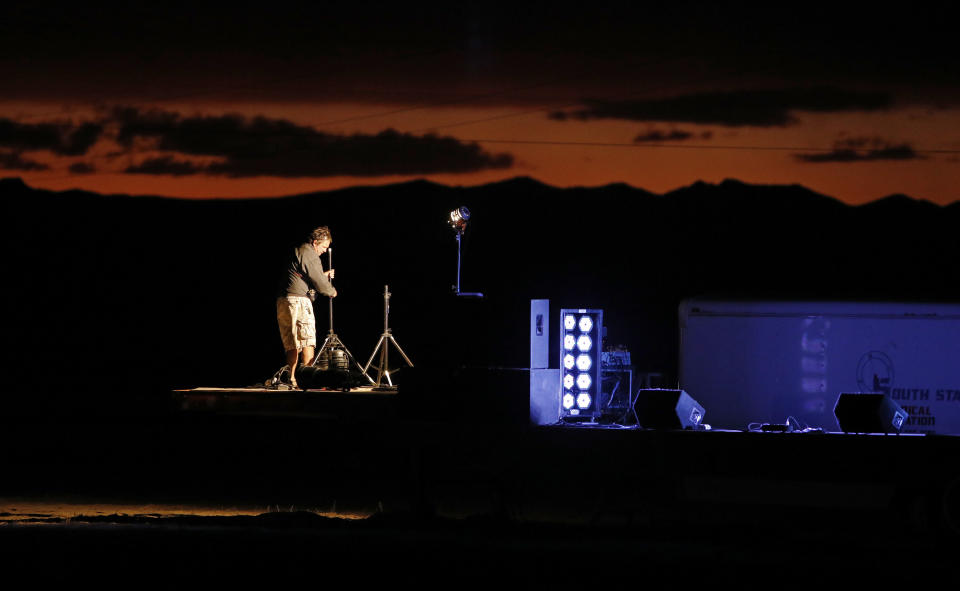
[
  {"x": 397, "y": 345},
  {"x": 357, "y": 363},
  {"x": 383, "y": 367},
  {"x": 372, "y": 355}
]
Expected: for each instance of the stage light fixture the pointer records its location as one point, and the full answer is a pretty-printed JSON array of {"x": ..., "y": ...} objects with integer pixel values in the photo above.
[
  {"x": 584, "y": 343},
  {"x": 581, "y": 335},
  {"x": 458, "y": 218},
  {"x": 584, "y": 381}
]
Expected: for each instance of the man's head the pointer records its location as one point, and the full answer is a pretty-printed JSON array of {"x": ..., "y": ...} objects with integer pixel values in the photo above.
[{"x": 320, "y": 239}]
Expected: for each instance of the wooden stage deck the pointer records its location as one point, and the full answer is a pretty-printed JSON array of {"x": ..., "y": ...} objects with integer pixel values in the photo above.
[{"x": 272, "y": 400}]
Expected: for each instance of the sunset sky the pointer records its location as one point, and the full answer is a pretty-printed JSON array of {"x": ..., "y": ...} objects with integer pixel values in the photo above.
[{"x": 267, "y": 99}]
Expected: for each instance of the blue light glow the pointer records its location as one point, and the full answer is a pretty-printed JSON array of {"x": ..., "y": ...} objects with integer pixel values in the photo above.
[
  {"x": 580, "y": 367},
  {"x": 584, "y": 343},
  {"x": 586, "y": 324},
  {"x": 584, "y": 381},
  {"x": 584, "y": 363}
]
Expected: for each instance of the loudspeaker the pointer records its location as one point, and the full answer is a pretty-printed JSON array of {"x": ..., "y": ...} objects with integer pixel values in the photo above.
[
  {"x": 544, "y": 396},
  {"x": 869, "y": 412},
  {"x": 667, "y": 409},
  {"x": 540, "y": 334}
]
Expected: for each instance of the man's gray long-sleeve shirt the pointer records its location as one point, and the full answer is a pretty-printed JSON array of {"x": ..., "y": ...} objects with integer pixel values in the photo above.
[{"x": 303, "y": 268}]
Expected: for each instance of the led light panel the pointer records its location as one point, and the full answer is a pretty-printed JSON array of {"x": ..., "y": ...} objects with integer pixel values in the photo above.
[{"x": 581, "y": 334}]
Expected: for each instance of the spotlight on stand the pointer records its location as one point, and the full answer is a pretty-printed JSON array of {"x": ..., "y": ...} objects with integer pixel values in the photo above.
[
  {"x": 580, "y": 339},
  {"x": 459, "y": 218},
  {"x": 458, "y": 221}
]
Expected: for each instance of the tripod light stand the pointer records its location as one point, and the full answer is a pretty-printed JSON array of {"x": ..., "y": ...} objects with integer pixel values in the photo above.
[
  {"x": 383, "y": 346},
  {"x": 458, "y": 220},
  {"x": 332, "y": 343}
]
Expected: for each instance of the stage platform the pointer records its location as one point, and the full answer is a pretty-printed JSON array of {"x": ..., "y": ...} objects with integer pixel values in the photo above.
[
  {"x": 372, "y": 452},
  {"x": 267, "y": 400}
]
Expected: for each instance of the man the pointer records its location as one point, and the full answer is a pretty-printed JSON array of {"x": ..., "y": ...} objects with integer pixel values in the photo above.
[{"x": 303, "y": 271}]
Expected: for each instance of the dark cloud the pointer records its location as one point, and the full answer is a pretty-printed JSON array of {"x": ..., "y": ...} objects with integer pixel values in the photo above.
[
  {"x": 77, "y": 140},
  {"x": 862, "y": 149},
  {"x": 63, "y": 138},
  {"x": 675, "y": 135},
  {"x": 754, "y": 108},
  {"x": 82, "y": 168},
  {"x": 259, "y": 146},
  {"x": 165, "y": 165},
  {"x": 14, "y": 161}
]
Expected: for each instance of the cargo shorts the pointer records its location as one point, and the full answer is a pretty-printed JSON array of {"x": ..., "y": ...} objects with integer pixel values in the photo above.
[{"x": 298, "y": 326}]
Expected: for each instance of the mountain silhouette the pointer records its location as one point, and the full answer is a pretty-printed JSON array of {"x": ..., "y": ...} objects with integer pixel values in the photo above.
[{"x": 122, "y": 293}]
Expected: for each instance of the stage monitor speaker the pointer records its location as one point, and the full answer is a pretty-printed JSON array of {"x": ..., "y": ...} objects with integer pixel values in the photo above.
[
  {"x": 667, "y": 409},
  {"x": 869, "y": 412}
]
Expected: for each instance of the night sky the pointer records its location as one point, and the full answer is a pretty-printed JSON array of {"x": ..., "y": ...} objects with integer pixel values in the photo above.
[{"x": 268, "y": 99}]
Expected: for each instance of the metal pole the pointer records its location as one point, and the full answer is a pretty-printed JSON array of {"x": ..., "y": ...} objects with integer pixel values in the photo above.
[
  {"x": 330, "y": 266},
  {"x": 386, "y": 308},
  {"x": 458, "y": 261},
  {"x": 384, "y": 356}
]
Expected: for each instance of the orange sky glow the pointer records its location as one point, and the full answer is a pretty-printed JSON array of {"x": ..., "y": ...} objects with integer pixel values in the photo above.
[
  {"x": 191, "y": 102},
  {"x": 562, "y": 154}
]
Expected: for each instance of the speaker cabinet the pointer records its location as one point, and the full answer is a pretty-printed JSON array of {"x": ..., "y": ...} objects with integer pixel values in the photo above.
[
  {"x": 668, "y": 409},
  {"x": 869, "y": 413},
  {"x": 544, "y": 396}
]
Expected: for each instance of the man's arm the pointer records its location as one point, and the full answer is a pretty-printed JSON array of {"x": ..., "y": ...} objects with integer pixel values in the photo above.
[{"x": 317, "y": 276}]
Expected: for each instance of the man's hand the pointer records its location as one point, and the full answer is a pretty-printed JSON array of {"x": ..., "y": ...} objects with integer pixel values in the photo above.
[
  {"x": 334, "y": 292},
  {"x": 329, "y": 274}
]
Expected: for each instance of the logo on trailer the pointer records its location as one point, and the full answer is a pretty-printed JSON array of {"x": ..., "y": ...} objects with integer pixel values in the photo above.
[{"x": 875, "y": 372}]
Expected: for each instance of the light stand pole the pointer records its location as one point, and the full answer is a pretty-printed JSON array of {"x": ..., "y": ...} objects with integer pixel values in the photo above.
[
  {"x": 332, "y": 342},
  {"x": 383, "y": 345}
]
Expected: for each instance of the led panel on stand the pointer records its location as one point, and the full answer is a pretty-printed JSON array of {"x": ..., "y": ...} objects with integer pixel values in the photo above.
[{"x": 580, "y": 347}]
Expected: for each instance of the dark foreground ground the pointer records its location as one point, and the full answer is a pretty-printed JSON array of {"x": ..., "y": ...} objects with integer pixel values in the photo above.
[
  {"x": 302, "y": 548},
  {"x": 473, "y": 502}
]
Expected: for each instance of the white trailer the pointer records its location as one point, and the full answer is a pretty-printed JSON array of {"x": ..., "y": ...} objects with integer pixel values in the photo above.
[{"x": 753, "y": 362}]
